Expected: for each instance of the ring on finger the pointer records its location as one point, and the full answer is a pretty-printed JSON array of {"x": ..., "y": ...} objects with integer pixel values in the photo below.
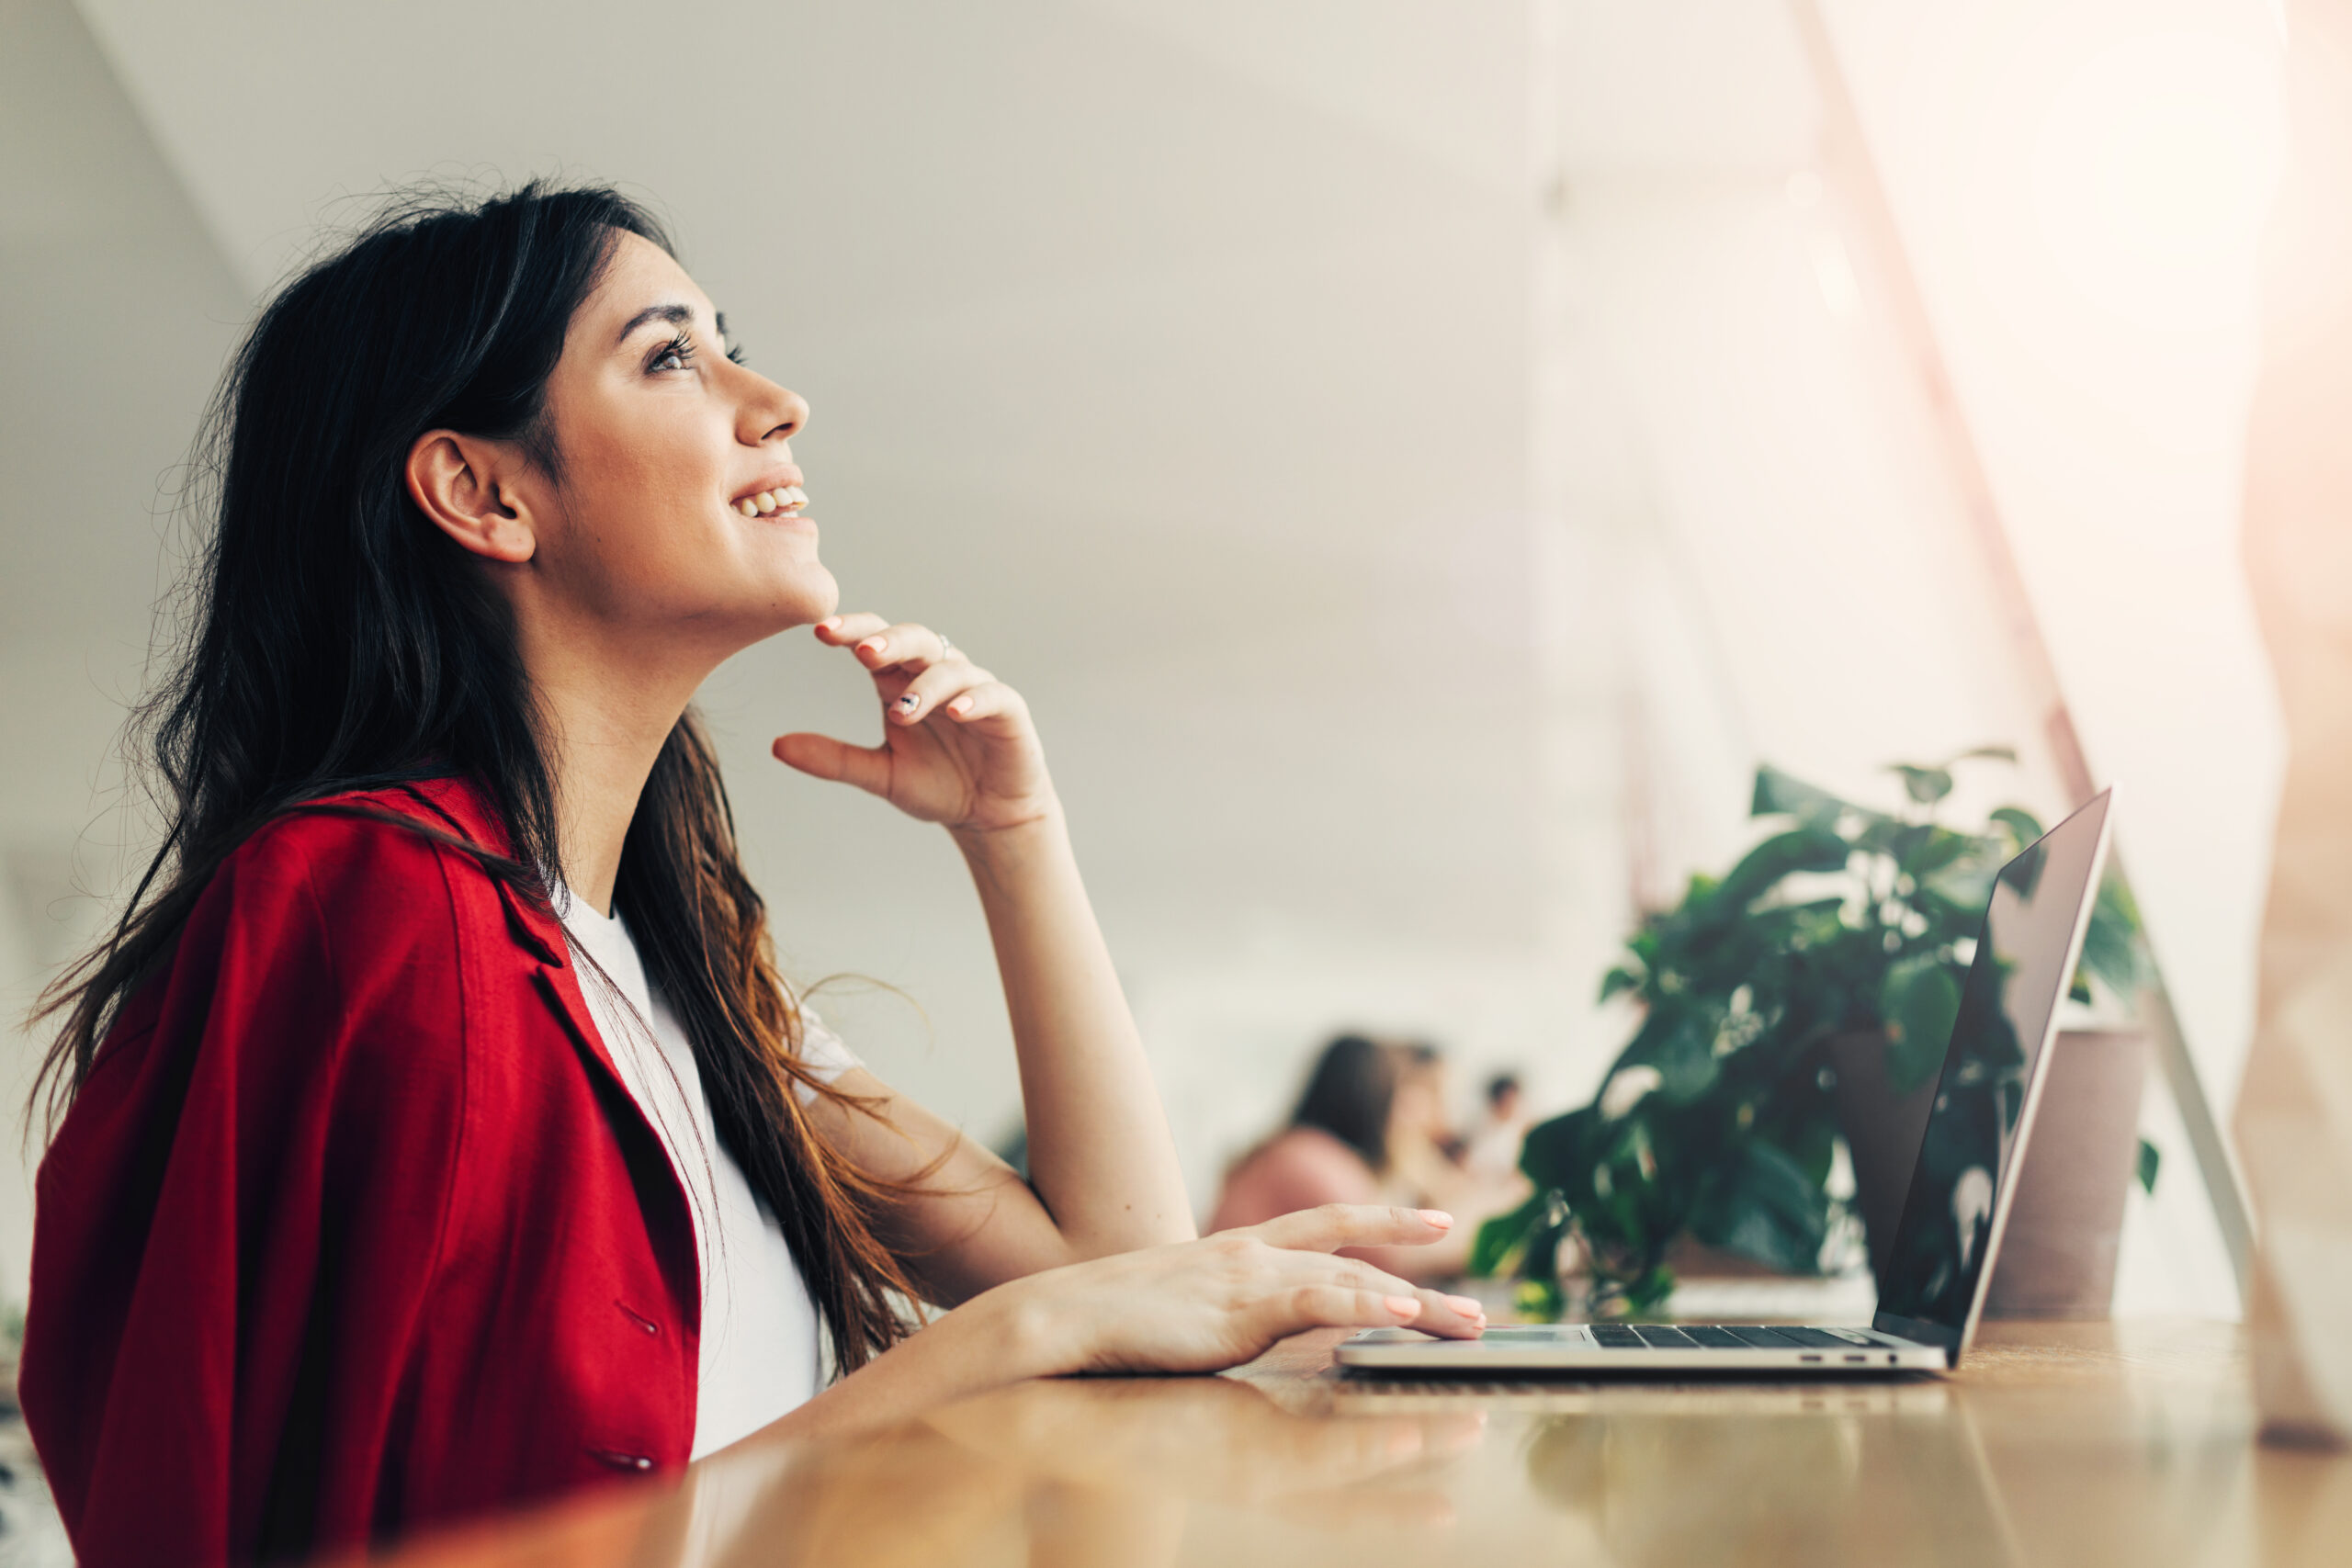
[{"x": 947, "y": 648}]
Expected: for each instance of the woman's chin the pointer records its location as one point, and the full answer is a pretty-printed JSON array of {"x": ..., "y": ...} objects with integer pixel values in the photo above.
[
  {"x": 725, "y": 628},
  {"x": 815, "y": 596},
  {"x": 807, "y": 596}
]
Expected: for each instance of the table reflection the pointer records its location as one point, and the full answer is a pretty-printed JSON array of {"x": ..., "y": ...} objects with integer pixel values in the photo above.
[
  {"x": 1673, "y": 1486},
  {"x": 1064, "y": 1471}
]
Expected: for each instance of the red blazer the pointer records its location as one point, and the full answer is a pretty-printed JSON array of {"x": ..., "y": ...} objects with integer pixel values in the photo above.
[{"x": 353, "y": 1225}]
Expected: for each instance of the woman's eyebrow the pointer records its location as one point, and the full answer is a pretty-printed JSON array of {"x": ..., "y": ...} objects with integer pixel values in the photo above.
[{"x": 676, "y": 315}]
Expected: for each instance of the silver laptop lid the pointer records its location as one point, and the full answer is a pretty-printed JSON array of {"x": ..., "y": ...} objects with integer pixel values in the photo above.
[{"x": 1966, "y": 1175}]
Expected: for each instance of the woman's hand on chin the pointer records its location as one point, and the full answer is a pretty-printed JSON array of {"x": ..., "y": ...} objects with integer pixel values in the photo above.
[
  {"x": 958, "y": 747},
  {"x": 1200, "y": 1306}
]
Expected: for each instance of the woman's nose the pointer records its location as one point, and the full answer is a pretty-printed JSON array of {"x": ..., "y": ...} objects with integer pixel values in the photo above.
[{"x": 779, "y": 413}]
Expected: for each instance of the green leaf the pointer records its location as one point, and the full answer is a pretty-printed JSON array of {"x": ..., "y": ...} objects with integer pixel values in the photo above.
[
  {"x": 1554, "y": 1153},
  {"x": 1681, "y": 1046},
  {"x": 2150, "y": 1158},
  {"x": 1942, "y": 846},
  {"x": 1618, "y": 981},
  {"x": 1920, "y": 1001},
  {"x": 1987, "y": 753},
  {"x": 1813, "y": 1144},
  {"x": 1769, "y": 1209},
  {"x": 2023, "y": 826},
  {"x": 1783, "y": 794},
  {"x": 1926, "y": 786},
  {"x": 1648, "y": 1289},
  {"x": 2110, "y": 945},
  {"x": 1893, "y": 839},
  {"x": 1502, "y": 1236},
  {"x": 2024, "y": 872},
  {"x": 1783, "y": 855},
  {"x": 1541, "y": 1301},
  {"x": 2116, "y": 903}
]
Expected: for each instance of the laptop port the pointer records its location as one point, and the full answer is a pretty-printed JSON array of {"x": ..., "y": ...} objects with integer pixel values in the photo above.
[
  {"x": 1858, "y": 1357},
  {"x": 1809, "y": 1358}
]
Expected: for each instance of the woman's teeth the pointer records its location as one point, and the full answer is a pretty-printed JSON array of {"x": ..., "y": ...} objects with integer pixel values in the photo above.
[{"x": 769, "y": 501}]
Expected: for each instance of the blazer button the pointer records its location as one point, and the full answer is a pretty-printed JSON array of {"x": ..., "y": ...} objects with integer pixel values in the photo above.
[
  {"x": 638, "y": 1317},
  {"x": 620, "y": 1461}
]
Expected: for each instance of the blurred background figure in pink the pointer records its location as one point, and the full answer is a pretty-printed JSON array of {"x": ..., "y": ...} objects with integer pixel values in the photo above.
[{"x": 1370, "y": 1127}]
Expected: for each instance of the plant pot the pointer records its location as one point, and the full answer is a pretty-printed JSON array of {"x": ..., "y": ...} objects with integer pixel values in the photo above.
[
  {"x": 2057, "y": 1257},
  {"x": 2058, "y": 1251},
  {"x": 1883, "y": 1133}
]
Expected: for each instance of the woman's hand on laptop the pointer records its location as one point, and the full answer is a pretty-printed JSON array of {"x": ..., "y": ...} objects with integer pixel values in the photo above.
[
  {"x": 1189, "y": 1306},
  {"x": 1200, "y": 1306}
]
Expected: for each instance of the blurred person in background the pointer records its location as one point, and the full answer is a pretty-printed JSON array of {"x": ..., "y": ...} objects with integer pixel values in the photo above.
[
  {"x": 1369, "y": 1127},
  {"x": 438, "y": 1133},
  {"x": 1428, "y": 1156},
  {"x": 1333, "y": 1149},
  {"x": 1424, "y": 1150},
  {"x": 1492, "y": 1154}
]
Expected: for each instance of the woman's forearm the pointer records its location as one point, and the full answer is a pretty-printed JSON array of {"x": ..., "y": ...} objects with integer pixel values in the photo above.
[
  {"x": 993, "y": 1339},
  {"x": 1101, "y": 1157}
]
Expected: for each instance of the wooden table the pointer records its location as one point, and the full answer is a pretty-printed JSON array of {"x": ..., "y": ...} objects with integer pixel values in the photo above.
[{"x": 2068, "y": 1444}]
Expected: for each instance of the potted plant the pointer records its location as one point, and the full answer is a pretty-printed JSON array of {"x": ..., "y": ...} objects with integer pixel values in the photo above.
[{"x": 1834, "y": 951}]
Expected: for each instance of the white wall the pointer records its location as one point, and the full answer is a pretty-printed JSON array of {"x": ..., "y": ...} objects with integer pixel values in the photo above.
[{"x": 117, "y": 309}]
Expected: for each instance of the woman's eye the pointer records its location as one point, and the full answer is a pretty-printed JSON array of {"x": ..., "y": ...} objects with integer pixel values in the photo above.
[{"x": 675, "y": 355}]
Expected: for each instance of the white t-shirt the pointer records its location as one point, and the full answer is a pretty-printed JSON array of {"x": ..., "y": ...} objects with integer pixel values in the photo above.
[{"x": 761, "y": 1351}]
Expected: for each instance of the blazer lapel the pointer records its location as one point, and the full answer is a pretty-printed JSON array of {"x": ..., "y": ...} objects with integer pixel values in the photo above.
[
  {"x": 536, "y": 931},
  {"x": 540, "y": 935}
]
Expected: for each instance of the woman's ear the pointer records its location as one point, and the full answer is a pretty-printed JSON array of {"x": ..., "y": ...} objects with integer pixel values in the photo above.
[{"x": 457, "y": 481}]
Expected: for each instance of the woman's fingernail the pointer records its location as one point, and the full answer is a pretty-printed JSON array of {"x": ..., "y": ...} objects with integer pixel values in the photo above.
[
  {"x": 1403, "y": 1306},
  {"x": 1466, "y": 1305},
  {"x": 960, "y": 705},
  {"x": 829, "y": 624},
  {"x": 907, "y": 704},
  {"x": 1439, "y": 1218},
  {"x": 874, "y": 645}
]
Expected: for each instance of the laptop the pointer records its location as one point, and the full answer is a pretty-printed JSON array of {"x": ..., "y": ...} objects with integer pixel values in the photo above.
[{"x": 1962, "y": 1186}]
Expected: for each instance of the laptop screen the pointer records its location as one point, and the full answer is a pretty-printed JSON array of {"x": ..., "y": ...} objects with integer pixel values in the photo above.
[{"x": 2025, "y": 952}]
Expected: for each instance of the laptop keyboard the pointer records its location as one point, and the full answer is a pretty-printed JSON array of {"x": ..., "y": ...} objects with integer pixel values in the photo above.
[{"x": 1724, "y": 1336}]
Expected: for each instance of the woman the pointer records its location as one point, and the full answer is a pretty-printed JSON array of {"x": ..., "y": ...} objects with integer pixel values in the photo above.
[
  {"x": 1334, "y": 1149},
  {"x": 438, "y": 1133},
  {"x": 1369, "y": 1128}
]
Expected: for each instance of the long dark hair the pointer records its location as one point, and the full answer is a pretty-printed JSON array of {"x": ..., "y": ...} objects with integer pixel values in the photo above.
[
  {"x": 1350, "y": 1093},
  {"x": 336, "y": 641}
]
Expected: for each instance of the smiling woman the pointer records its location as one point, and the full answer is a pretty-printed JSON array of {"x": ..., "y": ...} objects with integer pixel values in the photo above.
[{"x": 437, "y": 1133}]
